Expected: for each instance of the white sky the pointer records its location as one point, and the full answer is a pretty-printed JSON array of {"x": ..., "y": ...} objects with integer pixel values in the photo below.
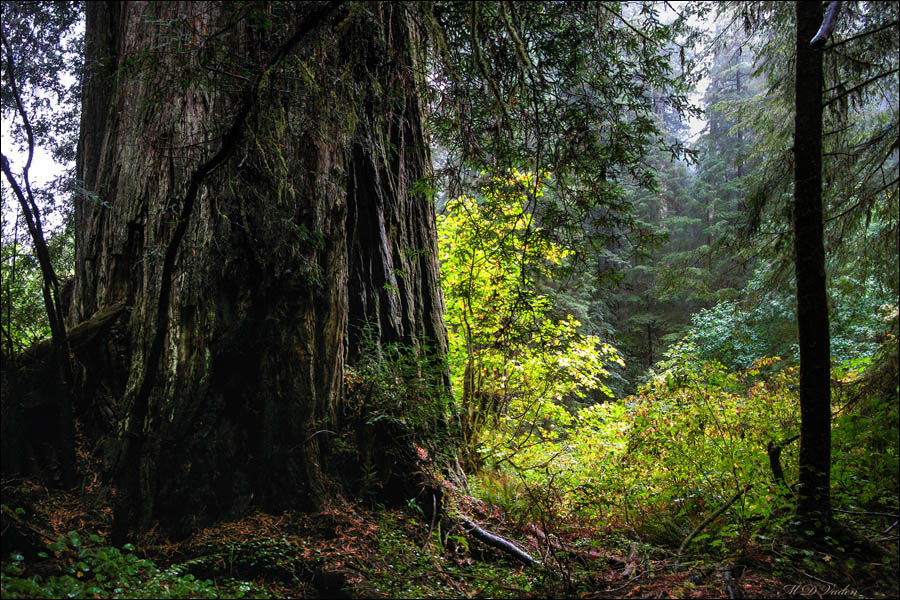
[{"x": 43, "y": 169}]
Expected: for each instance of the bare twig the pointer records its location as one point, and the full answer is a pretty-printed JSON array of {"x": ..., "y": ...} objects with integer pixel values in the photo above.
[
  {"x": 711, "y": 517},
  {"x": 866, "y": 513},
  {"x": 833, "y": 585},
  {"x": 622, "y": 587}
]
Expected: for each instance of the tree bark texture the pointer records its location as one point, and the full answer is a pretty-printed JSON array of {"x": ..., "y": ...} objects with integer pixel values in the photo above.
[
  {"x": 809, "y": 259},
  {"x": 309, "y": 226}
]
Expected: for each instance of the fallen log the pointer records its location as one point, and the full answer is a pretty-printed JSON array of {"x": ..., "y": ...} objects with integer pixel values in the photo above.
[{"x": 499, "y": 543}]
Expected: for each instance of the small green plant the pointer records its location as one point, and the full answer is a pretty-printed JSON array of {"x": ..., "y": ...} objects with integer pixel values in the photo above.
[
  {"x": 504, "y": 491},
  {"x": 93, "y": 569},
  {"x": 406, "y": 569},
  {"x": 275, "y": 558},
  {"x": 400, "y": 390}
]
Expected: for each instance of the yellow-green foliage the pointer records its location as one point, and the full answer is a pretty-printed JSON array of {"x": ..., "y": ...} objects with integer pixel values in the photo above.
[
  {"x": 513, "y": 365},
  {"x": 660, "y": 460},
  {"x": 691, "y": 438},
  {"x": 695, "y": 435}
]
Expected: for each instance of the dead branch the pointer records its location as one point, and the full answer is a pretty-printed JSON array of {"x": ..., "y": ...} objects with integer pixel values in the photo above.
[
  {"x": 710, "y": 518},
  {"x": 774, "y": 452},
  {"x": 499, "y": 543},
  {"x": 828, "y": 23}
]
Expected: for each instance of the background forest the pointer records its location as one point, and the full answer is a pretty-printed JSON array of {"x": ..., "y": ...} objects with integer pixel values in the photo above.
[{"x": 621, "y": 394}]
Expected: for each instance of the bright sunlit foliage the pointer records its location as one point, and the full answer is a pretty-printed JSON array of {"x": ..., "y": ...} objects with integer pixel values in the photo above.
[{"x": 515, "y": 363}]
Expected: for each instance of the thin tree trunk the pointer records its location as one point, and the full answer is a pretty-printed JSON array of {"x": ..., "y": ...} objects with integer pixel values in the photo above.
[
  {"x": 814, "y": 499},
  {"x": 50, "y": 285},
  {"x": 740, "y": 131}
]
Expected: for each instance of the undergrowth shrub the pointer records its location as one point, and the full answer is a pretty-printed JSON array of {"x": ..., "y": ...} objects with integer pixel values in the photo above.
[
  {"x": 396, "y": 412},
  {"x": 504, "y": 491},
  {"x": 92, "y": 569},
  {"x": 405, "y": 387},
  {"x": 517, "y": 359},
  {"x": 662, "y": 460}
]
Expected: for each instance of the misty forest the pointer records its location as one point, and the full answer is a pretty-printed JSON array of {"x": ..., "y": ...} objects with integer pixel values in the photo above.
[{"x": 450, "y": 299}]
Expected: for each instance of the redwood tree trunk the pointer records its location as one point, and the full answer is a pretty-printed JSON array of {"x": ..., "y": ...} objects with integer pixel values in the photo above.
[
  {"x": 310, "y": 226},
  {"x": 814, "y": 502}
]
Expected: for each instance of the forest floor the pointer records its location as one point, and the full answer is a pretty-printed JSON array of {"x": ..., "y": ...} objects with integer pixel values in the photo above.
[{"x": 353, "y": 550}]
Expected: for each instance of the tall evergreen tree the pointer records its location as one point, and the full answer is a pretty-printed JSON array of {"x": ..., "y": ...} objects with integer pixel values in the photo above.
[
  {"x": 839, "y": 164},
  {"x": 814, "y": 498},
  {"x": 860, "y": 168}
]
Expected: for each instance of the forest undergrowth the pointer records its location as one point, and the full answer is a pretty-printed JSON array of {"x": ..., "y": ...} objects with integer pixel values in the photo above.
[{"x": 619, "y": 506}]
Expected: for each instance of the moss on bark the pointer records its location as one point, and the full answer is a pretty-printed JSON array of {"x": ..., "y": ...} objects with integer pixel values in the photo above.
[{"x": 286, "y": 254}]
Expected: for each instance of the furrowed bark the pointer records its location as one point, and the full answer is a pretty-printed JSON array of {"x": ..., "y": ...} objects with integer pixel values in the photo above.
[{"x": 250, "y": 232}]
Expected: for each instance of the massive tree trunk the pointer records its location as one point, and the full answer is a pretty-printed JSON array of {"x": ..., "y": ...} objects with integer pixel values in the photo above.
[
  {"x": 814, "y": 501},
  {"x": 255, "y": 182}
]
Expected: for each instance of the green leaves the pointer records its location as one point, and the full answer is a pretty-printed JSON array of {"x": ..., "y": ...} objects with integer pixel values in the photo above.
[
  {"x": 92, "y": 569},
  {"x": 698, "y": 431},
  {"x": 860, "y": 168},
  {"x": 740, "y": 333},
  {"x": 562, "y": 87},
  {"x": 515, "y": 363}
]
